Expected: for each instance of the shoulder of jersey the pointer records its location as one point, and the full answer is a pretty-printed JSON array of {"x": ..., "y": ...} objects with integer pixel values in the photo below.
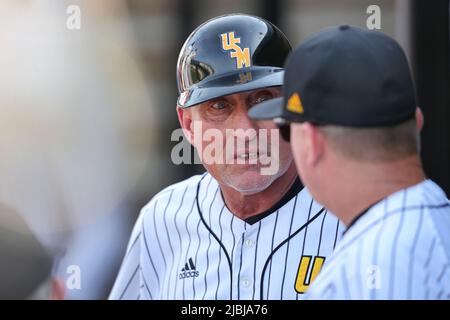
[{"x": 175, "y": 190}]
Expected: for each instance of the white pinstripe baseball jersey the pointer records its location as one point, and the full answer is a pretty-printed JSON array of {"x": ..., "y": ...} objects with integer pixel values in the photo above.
[
  {"x": 398, "y": 249},
  {"x": 186, "y": 244}
]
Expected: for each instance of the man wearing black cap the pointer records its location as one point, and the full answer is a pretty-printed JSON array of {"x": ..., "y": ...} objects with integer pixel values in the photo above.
[{"x": 349, "y": 108}]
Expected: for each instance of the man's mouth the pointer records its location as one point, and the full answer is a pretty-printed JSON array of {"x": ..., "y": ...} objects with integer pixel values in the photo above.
[
  {"x": 251, "y": 155},
  {"x": 248, "y": 155}
]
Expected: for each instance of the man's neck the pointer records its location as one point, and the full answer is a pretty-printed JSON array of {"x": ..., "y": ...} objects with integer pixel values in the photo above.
[
  {"x": 371, "y": 184},
  {"x": 245, "y": 206}
]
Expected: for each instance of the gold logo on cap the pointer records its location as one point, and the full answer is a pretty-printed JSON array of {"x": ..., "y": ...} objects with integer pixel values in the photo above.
[
  {"x": 244, "y": 77},
  {"x": 242, "y": 55},
  {"x": 294, "y": 104}
]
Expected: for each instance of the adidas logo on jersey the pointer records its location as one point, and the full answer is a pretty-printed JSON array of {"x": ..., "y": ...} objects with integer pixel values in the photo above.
[{"x": 189, "y": 270}]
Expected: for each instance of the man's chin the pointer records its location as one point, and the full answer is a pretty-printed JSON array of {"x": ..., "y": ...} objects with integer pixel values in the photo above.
[{"x": 250, "y": 182}]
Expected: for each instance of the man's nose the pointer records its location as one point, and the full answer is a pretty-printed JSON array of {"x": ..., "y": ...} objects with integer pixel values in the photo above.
[{"x": 248, "y": 126}]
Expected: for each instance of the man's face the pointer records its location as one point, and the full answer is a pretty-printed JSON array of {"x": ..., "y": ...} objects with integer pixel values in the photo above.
[{"x": 244, "y": 145}]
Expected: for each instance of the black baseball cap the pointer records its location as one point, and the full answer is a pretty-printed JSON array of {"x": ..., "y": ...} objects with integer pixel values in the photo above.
[{"x": 344, "y": 76}]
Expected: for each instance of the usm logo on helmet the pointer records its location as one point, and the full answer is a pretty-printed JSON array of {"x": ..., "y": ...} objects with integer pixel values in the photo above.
[
  {"x": 244, "y": 77},
  {"x": 242, "y": 55}
]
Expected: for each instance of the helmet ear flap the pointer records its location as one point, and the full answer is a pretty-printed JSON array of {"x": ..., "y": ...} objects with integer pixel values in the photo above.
[{"x": 230, "y": 54}]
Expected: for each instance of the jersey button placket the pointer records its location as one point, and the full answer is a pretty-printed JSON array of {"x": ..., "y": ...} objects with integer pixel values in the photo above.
[
  {"x": 249, "y": 243},
  {"x": 245, "y": 281}
]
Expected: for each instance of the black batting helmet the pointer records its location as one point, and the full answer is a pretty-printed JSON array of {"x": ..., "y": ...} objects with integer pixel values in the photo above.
[{"x": 230, "y": 54}]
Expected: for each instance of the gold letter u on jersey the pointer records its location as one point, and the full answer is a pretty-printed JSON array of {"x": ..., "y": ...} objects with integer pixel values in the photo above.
[{"x": 303, "y": 281}]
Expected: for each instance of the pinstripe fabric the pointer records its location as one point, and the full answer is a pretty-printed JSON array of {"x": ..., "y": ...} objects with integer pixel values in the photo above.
[
  {"x": 399, "y": 249},
  {"x": 186, "y": 244}
]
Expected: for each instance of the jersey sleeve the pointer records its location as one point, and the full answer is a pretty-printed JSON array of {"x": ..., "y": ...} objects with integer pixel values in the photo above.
[{"x": 127, "y": 284}]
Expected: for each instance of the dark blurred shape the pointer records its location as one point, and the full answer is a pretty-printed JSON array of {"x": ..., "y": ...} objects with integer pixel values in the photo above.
[
  {"x": 431, "y": 64},
  {"x": 271, "y": 10},
  {"x": 186, "y": 13},
  {"x": 24, "y": 264}
]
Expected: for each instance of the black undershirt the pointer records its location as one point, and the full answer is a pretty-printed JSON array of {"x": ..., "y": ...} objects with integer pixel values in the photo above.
[{"x": 293, "y": 191}]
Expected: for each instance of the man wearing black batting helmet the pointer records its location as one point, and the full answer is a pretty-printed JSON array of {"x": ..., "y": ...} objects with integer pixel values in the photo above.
[{"x": 246, "y": 229}]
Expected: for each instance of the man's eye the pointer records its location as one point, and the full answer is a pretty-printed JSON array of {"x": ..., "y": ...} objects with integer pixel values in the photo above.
[
  {"x": 219, "y": 105},
  {"x": 262, "y": 98}
]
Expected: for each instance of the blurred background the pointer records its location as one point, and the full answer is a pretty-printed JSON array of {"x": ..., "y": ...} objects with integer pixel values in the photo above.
[{"x": 87, "y": 111}]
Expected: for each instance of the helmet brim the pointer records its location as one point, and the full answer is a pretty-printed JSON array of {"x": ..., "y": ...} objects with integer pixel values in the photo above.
[
  {"x": 267, "y": 110},
  {"x": 236, "y": 82}
]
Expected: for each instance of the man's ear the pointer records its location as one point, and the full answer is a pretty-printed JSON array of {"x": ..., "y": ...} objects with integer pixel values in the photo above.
[
  {"x": 185, "y": 119},
  {"x": 314, "y": 143},
  {"x": 419, "y": 119}
]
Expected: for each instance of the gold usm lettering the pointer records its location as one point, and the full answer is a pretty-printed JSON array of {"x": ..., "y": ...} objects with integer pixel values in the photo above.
[
  {"x": 244, "y": 77},
  {"x": 303, "y": 281},
  {"x": 242, "y": 55}
]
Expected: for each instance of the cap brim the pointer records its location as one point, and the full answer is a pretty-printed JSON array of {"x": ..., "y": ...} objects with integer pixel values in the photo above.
[{"x": 267, "y": 110}]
